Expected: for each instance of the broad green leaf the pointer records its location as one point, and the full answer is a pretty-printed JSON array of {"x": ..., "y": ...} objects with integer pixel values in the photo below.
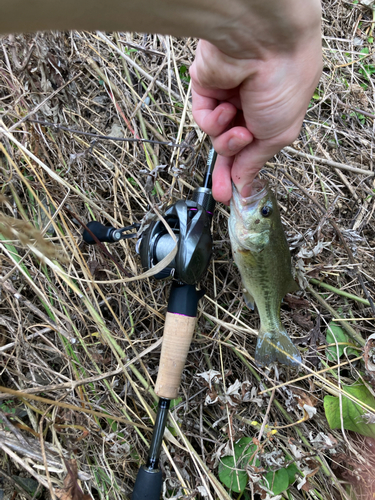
[
  {"x": 28, "y": 484},
  {"x": 292, "y": 470},
  {"x": 351, "y": 412},
  {"x": 336, "y": 334},
  {"x": 232, "y": 472},
  {"x": 278, "y": 481}
]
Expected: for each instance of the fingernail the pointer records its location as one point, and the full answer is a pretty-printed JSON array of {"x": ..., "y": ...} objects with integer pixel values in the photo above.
[{"x": 223, "y": 118}]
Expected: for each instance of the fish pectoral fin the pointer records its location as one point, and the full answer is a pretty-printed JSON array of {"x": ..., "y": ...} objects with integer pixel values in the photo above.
[
  {"x": 249, "y": 299},
  {"x": 276, "y": 346},
  {"x": 255, "y": 242}
]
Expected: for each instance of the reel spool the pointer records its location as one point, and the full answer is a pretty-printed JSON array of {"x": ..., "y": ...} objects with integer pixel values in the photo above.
[{"x": 190, "y": 223}]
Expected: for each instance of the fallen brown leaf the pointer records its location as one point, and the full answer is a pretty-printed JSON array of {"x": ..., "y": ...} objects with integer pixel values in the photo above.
[
  {"x": 71, "y": 489},
  {"x": 296, "y": 302}
]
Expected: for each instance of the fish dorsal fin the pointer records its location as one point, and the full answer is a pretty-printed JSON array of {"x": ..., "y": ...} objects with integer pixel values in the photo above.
[{"x": 293, "y": 286}]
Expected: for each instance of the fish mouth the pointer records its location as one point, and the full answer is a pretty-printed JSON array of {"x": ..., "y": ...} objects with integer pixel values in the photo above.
[
  {"x": 244, "y": 210},
  {"x": 259, "y": 189}
]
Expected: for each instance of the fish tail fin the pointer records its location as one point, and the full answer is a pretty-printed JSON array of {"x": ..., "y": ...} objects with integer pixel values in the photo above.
[{"x": 276, "y": 346}]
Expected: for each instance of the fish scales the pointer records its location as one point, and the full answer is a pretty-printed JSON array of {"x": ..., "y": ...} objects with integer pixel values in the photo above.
[{"x": 262, "y": 255}]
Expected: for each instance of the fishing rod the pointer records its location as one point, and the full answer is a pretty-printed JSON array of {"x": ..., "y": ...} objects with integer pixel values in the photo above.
[{"x": 190, "y": 222}]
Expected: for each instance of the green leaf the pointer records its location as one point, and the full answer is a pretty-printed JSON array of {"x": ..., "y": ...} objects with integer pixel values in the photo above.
[
  {"x": 278, "y": 481},
  {"x": 336, "y": 334},
  {"x": 365, "y": 50},
  {"x": 174, "y": 403},
  {"x": 351, "y": 412},
  {"x": 28, "y": 484},
  {"x": 133, "y": 182},
  {"x": 232, "y": 472},
  {"x": 182, "y": 70},
  {"x": 292, "y": 470},
  {"x": 184, "y": 74},
  {"x": 370, "y": 39}
]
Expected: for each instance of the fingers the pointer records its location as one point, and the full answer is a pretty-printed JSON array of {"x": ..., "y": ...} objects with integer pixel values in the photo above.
[
  {"x": 214, "y": 119},
  {"x": 232, "y": 142},
  {"x": 211, "y": 117},
  {"x": 241, "y": 169},
  {"x": 249, "y": 162},
  {"x": 221, "y": 180},
  {"x": 252, "y": 158}
]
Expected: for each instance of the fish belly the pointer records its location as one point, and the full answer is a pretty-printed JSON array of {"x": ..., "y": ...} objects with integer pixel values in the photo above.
[{"x": 267, "y": 280}]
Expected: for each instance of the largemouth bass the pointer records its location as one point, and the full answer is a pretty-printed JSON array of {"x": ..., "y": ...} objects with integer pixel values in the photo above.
[{"x": 262, "y": 255}]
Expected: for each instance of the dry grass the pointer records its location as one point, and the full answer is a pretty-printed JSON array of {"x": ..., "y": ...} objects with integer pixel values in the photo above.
[{"x": 76, "y": 331}]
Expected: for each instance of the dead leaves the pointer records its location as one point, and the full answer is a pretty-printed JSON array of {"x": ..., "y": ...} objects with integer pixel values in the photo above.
[
  {"x": 369, "y": 355},
  {"x": 71, "y": 489},
  {"x": 312, "y": 339},
  {"x": 233, "y": 395}
]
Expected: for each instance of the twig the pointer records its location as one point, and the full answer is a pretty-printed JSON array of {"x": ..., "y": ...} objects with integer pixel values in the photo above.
[
  {"x": 14, "y": 429},
  {"x": 330, "y": 163},
  {"x": 7, "y": 285},
  {"x": 136, "y": 66},
  {"x": 97, "y": 137},
  {"x": 23, "y": 464},
  {"x": 266, "y": 415},
  {"x": 32, "y": 450},
  {"x": 144, "y": 49},
  {"x": 357, "y": 110},
  {"x": 338, "y": 291},
  {"x": 16, "y": 125},
  {"x": 25, "y": 395},
  {"x": 309, "y": 375},
  {"x": 349, "y": 330}
]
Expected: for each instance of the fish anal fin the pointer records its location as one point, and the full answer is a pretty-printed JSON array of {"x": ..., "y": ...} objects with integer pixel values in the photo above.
[
  {"x": 249, "y": 299},
  {"x": 276, "y": 346}
]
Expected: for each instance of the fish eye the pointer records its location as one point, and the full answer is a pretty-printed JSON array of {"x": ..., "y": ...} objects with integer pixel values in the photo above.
[{"x": 266, "y": 211}]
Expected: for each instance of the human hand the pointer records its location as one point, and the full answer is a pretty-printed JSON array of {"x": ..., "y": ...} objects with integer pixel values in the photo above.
[{"x": 251, "y": 107}]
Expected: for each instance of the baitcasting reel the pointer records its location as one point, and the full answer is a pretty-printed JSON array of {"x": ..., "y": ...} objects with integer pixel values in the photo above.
[{"x": 190, "y": 222}]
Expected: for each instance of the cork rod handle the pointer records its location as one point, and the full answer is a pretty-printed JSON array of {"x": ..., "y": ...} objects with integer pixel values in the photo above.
[{"x": 178, "y": 332}]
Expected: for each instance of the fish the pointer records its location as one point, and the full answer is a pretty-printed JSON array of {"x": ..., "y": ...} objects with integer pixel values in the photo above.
[{"x": 261, "y": 252}]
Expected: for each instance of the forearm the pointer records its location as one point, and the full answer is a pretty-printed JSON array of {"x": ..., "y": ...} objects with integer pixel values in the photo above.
[{"x": 228, "y": 24}]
